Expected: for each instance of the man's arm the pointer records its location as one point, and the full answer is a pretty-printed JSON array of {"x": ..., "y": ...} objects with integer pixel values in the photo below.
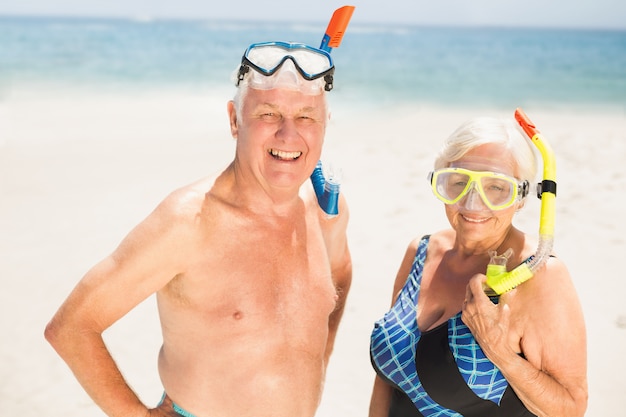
[
  {"x": 143, "y": 263},
  {"x": 335, "y": 235},
  {"x": 75, "y": 332}
]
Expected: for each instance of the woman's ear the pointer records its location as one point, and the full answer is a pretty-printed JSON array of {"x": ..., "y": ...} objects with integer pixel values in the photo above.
[{"x": 232, "y": 116}]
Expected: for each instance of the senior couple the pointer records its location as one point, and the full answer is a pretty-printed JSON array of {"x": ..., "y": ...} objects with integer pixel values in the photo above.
[{"x": 251, "y": 275}]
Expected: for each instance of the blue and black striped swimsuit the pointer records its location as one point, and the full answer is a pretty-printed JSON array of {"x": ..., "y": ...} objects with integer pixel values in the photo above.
[{"x": 441, "y": 372}]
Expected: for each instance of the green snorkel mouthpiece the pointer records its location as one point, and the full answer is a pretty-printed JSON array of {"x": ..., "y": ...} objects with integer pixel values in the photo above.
[{"x": 499, "y": 280}]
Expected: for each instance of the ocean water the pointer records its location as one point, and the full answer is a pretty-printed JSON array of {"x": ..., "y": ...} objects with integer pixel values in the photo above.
[{"x": 376, "y": 64}]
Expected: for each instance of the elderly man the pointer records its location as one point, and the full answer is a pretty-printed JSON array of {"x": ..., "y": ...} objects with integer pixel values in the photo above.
[{"x": 251, "y": 275}]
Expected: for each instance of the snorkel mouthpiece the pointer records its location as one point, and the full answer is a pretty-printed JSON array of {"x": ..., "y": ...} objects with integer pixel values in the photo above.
[
  {"x": 326, "y": 190},
  {"x": 499, "y": 280}
]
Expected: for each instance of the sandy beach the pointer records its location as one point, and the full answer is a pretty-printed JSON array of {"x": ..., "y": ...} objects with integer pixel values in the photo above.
[{"x": 79, "y": 170}]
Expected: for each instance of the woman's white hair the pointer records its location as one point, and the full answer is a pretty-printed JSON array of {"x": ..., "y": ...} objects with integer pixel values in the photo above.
[{"x": 488, "y": 130}]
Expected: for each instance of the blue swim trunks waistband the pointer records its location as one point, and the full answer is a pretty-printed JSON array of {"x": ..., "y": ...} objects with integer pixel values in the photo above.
[{"x": 179, "y": 410}]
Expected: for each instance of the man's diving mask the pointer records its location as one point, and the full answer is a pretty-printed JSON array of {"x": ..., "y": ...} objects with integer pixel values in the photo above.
[
  {"x": 286, "y": 65},
  {"x": 497, "y": 191}
]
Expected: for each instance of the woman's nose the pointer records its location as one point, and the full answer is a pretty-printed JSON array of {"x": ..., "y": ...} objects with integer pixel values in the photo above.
[{"x": 473, "y": 201}]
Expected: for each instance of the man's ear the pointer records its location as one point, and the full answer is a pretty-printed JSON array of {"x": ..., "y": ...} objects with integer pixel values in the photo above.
[{"x": 232, "y": 116}]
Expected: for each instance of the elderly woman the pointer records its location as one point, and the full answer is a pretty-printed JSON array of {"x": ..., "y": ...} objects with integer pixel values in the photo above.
[{"x": 445, "y": 348}]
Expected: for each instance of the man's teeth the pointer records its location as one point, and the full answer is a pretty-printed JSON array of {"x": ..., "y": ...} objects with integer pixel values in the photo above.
[{"x": 284, "y": 155}]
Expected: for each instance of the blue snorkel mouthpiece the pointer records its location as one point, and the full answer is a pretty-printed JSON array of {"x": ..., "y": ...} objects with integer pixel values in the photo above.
[{"x": 326, "y": 190}]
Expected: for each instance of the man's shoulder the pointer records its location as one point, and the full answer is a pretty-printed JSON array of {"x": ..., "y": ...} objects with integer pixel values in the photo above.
[{"x": 187, "y": 201}]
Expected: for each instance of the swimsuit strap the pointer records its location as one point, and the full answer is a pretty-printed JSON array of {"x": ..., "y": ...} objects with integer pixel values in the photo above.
[
  {"x": 176, "y": 407},
  {"x": 181, "y": 411}
]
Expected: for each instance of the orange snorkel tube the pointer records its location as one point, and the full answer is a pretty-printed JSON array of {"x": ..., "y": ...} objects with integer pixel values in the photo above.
[
  {"x": 499, "y": 280},
  {"x": 327, "y": 190},
  {"x": 336, "y": 28}
]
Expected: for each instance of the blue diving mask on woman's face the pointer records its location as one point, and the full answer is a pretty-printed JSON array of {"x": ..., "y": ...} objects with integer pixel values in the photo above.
[
  {"x": 286, "y": 64},
  {"x": 497, "y": 191}
]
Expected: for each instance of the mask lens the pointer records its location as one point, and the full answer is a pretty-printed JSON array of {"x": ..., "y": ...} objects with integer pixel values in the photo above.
[
  {"x": 451, "y": 186},
  {"x": 267, "y": 58},
  {"x": 498, "y": 191},
  {"x": 313, "y": 64}
]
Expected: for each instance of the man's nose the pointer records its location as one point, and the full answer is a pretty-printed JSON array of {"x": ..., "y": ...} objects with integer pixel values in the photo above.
[{"x": 287, "y": 128}]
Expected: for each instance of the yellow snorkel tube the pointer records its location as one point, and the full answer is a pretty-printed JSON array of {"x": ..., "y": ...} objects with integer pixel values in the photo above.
[{"x": 499, "y": 280}]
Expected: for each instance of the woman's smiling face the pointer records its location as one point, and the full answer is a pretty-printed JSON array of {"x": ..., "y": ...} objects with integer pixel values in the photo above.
[{"x": 470, "y": 217}]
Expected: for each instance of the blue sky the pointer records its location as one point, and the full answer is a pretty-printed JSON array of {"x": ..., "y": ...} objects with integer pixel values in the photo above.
[{"x": 602, "y": 14}]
